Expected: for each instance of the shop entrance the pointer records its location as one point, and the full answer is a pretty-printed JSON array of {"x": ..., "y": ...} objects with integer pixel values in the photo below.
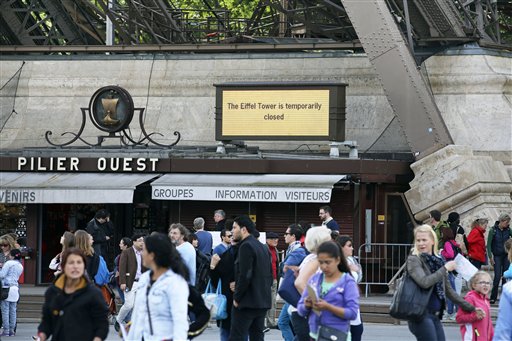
[
  {"x": 58, "y": 218},
  {"x": 399, "y": 220}
]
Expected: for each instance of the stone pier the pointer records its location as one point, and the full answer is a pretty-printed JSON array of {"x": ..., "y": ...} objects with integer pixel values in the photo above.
[{"x": 454, "y": 179}]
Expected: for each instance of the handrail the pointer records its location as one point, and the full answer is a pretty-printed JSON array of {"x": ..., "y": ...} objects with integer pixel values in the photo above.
[{"x": 382, "y": 263}]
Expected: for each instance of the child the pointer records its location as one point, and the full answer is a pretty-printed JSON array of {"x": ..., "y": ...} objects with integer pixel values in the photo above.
[
  {"x": 473, "y": 328},
  {"x": 336, "y": 301},
  {"x": 508, "y": 248}
]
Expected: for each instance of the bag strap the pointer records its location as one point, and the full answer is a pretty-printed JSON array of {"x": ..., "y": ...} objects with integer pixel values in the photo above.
[
  {"x": 209, "y": 288},
  {"x": 219, "y": 287},
  {"x": 149, "y": 312}
]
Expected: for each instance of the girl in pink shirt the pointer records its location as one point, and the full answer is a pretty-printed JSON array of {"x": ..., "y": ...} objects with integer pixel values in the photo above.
[{"x": 474, "y": 328}]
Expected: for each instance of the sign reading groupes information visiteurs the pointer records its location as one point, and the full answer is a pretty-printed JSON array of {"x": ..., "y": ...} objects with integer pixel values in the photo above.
[
  {"x": 276, "y": 112},
  {"x": 280, "y": 111}
]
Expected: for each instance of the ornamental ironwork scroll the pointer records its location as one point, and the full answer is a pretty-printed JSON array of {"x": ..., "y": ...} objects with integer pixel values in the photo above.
[{"x": 111, "y": 110}]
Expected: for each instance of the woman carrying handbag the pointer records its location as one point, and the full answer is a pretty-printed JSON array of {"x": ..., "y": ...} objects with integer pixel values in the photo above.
[{"x": 428, "y": 270}]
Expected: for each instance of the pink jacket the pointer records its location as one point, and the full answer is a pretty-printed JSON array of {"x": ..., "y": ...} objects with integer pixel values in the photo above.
[
  {"x": 471, "y": 328},
  {"x": 447, "y": 251}
]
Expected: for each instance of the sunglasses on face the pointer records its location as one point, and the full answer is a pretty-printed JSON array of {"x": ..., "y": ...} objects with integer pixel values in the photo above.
[{"x": 4, "y": 245}]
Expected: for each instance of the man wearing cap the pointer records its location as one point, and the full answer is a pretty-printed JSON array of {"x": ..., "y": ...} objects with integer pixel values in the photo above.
[
  {"x": 253, "y": 282},
  {"x": 272, "y": 240}
]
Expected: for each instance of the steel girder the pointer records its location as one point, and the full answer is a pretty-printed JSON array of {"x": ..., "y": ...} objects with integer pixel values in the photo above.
[
  {"x": 45, "y": 22},
  {"x": 405, "y": 88}
]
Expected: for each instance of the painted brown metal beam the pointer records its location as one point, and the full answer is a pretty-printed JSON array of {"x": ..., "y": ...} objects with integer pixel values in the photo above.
[{"x": 254, "y": 47}]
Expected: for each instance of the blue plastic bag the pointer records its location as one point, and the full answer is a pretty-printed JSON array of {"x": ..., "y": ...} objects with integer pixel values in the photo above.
[{"x": 215, "y": 301}]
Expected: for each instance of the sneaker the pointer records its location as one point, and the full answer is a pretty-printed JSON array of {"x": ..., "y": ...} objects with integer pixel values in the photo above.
[
  {"x": 448, "y": 317},
  {"x": 4, "y": 333},
  {"x": 12, "y": 333},
  {"x": 266, "y": 330},
  {"x": 117, "y": 327},
  {"x": 493, "y": 301}
]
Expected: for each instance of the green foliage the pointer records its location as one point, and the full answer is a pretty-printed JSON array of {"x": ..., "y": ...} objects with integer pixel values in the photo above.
[{"x": 237, "y": 8}]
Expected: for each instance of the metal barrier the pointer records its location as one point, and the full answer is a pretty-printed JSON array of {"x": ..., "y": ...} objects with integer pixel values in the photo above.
[{"x": 380, "y": 262}]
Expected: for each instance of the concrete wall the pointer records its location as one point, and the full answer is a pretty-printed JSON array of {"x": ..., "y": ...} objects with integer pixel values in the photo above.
[{"x": 474, "y": 94}]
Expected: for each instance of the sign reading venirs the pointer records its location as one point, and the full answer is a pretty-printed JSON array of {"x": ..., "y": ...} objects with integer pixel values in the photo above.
[{"x": 280, "y": 111}]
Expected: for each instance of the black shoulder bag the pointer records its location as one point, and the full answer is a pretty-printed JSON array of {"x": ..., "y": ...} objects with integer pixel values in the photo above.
[{"x": 410, "y": 300}]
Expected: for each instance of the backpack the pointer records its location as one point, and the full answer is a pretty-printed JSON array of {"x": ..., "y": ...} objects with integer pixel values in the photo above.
[
  {"x": 456, "y": 250},
  {"x": 202, "y": 271},
  {"x": 103, "y": 275}
]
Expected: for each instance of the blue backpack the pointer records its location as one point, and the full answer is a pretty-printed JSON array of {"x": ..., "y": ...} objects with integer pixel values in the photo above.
[{"x": 102, "y": 276}]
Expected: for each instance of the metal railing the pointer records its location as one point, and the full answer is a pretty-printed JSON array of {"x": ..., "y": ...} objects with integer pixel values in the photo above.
[{"x": 381, "y": 262}]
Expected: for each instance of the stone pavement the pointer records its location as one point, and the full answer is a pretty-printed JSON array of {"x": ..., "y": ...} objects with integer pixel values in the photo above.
[{"x": 372, "y": 332}]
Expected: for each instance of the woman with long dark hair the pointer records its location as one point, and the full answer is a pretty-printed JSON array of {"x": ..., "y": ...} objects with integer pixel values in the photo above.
[
  {"x": 337, "y": 295},
  {"x": 73, "y": 308},
  {"x": 161, "y": 301},
  {"x": 347, "y": 247}
]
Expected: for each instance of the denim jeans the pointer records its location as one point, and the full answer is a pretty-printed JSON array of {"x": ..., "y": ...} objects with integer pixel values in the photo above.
[
  {"x": 451, "y": 307},
  {"x": 121, "y": 293},
  {"x": 427, "y": 329},
  {"x": 224, "y": 334},
  {"x": 501, "y": 265},
  {"x": 284, "y": 324},
  {"x": 8, "y": 316}
]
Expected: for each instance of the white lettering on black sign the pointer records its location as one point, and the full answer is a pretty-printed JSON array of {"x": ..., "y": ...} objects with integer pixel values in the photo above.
[{"x": 127, "y": 164}]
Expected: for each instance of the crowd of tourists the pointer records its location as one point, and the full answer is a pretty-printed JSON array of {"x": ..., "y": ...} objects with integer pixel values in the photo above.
[
  {"x": 432, "y": 266},
  {"x": 165, "y": 282}
]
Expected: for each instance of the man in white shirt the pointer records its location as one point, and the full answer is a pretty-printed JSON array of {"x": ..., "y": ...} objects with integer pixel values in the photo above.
[{"x": 178, "y": 234}]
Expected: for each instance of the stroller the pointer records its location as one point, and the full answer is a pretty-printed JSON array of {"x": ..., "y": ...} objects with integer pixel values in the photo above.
[{"x": 110, "y": 298}]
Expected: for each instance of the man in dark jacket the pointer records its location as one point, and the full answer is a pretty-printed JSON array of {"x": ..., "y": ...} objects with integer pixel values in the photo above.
[
  {"x": 496, "y": 252},
  {"x": 219, "y": 216},
  {"x": 253, "y": 282},
  {"x": 100, "y": 228},
  {"x": 272, "y": 241}
]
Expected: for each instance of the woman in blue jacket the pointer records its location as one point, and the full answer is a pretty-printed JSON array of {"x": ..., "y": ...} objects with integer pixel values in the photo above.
[{"x": 337, "y": 295}]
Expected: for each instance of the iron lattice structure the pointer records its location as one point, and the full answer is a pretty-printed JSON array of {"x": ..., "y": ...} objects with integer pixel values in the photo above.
[{"x": 429, "y": 23}]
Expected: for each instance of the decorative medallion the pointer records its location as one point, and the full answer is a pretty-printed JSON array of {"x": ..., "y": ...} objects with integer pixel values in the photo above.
[{"x": 111, "y": 108}]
